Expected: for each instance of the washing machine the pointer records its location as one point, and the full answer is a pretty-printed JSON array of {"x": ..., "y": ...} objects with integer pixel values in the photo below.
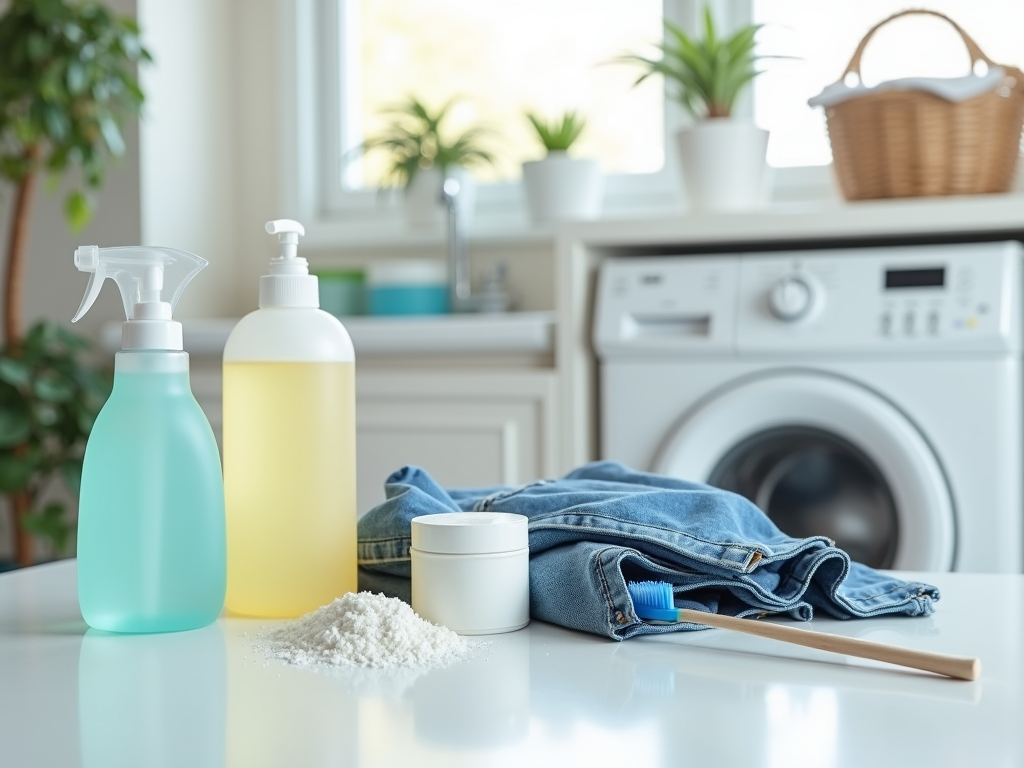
[{"x": 870, "y": 395}]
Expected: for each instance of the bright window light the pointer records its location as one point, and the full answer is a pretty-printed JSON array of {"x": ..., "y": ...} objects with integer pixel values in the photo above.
[{"x": 501, "y": 58}]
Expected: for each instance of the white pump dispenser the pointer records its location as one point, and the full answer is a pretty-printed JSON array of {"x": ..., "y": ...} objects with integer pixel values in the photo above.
[
  {"x": 142, "y": 274},
  {"x": 289, "y": 283}
]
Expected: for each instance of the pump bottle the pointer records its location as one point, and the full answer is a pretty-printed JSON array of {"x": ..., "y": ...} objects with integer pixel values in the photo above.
[
  {"x": 151, "y": 540},
  {"x": 289, "y": 446}
]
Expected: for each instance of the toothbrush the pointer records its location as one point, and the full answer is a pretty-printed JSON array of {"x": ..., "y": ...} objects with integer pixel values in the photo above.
[{"x": 653, "y": 600}]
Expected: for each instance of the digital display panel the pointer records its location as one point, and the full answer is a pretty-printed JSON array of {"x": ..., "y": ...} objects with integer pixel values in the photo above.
[{"x": 932, "y": 277}]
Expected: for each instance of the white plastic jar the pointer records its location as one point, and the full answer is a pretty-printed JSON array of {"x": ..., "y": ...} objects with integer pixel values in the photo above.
[{"x": 471, "y": 571}]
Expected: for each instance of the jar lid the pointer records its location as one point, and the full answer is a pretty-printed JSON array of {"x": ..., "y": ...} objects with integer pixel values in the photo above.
[
  {"x": 470, "y": 533},
  {"x": 407, "y": 272}
]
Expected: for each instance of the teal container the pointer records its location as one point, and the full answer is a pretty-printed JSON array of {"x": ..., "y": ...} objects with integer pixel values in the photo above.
[
  {"x": 408, "y": 299},
  {"x": 151, "y": 540},
  {"x": 407, "y": 287}
]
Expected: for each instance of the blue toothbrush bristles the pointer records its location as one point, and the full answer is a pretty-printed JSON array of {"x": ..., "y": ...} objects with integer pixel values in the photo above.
[{"x": 656, "y": 594}]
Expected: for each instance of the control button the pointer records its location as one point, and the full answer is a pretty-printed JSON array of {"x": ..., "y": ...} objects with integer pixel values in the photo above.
[
  {"x": 791, "y": 298},
  {"x": 885, "y": 324},
  {"x": 908, "y": 323},
  {"x": 933, "y": 323}
]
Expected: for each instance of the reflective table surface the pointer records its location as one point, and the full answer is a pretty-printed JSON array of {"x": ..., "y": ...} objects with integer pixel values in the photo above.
[{"x": 543, "y": 696}]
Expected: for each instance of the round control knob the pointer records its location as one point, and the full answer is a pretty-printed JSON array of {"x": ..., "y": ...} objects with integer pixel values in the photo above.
[{"x": 791, "y": 298}]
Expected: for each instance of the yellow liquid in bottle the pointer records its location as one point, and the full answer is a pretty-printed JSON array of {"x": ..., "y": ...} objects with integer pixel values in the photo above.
[{"x": 289, "y": 486}]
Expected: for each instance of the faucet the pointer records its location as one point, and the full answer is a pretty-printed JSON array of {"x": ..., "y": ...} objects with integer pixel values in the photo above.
[
  {"x": 460, "y": 290},
  {"x": 459, "y": 287}
]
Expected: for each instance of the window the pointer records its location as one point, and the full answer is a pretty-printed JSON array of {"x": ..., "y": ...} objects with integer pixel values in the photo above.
[
  {"x": 503, "y": 57},
  {"x": 496, "y": 59}
]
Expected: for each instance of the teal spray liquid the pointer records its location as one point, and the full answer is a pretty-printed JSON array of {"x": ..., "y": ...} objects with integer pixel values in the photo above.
[{"x": 151, "y": 536}]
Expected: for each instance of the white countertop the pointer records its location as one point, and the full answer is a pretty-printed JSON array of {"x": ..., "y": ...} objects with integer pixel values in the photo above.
[
  {"x": 543, "y": 696},
  {"x": 488, "y": 333}
]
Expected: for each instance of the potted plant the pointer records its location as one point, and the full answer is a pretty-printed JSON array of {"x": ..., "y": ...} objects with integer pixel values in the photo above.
[
  {"x": 67, "y": 83},
  {"x": 723, "y": 158},
  {"x": 422, "y": 152},
  {"x": 559, "y": 186},
  {"x": 49, "y": 399}
]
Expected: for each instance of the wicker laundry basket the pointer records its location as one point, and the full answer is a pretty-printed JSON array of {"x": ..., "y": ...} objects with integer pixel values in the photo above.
[{"x": 908, "y": 143}]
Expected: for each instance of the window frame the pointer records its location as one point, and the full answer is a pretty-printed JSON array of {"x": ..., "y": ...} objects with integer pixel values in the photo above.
[{"x": 311, "y": 130}]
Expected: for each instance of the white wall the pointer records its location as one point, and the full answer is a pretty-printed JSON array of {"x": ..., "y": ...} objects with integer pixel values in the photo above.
[
  {"x": 187, "y": 157},
  {"x": 209, "y": 145},
  {"x": 257, "y": 145}
]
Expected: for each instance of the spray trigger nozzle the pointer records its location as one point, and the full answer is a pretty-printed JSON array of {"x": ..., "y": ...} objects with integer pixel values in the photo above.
[
  {"x": 142, "y": 274},
  {"x": 87, "y": 258}
]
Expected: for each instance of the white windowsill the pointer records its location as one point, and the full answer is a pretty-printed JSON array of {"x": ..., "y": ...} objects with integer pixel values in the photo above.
[
  {"x": 805, "y": 198},
  {"x": 821, "y": 220}
]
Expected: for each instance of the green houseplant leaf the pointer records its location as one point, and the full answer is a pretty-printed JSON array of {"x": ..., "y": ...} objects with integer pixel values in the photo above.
[
  {"x": 417, "y": 138},
  {"x": 559, "y": 134},
  {"x": 15, "y": 423},
  {"x": 49, "y": 398},
  {"x": 50, "y": 523},
  {"x": 67, "y": 80},
  {"x": 707, "y": 73}
]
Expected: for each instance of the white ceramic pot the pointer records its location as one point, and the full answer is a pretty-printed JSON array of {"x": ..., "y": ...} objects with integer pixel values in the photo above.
[
  {"x": 560, "y": 187},
  {"x": 724, "y": 164},
  {"x": 422, "y": 198}
]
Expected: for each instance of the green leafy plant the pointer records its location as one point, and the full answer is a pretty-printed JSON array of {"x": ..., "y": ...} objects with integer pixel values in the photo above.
[
  {"x": 709, "y": 72},
  {"x": 559, "y": 134},
  {"x": 417, "y": 139},
  {"x": 49, "y": 399},
  {"x": 67, "y": 84}
]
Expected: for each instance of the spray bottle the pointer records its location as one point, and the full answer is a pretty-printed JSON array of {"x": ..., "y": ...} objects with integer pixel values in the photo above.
[
  {"x": 289, "y": 446},
  {"x": 151, "y": 541}
]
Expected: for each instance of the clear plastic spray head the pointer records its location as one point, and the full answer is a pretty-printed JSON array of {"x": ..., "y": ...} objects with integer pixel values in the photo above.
[{"x": 144, "y": 275}]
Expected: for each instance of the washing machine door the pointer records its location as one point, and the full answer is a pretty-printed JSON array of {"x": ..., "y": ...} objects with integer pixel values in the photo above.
[{"x": 822, "y": 455}]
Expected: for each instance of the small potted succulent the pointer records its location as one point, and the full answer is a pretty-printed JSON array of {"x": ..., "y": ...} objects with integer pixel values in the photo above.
[
  {"x": 558, "y": 186},
  {"x": 421, "y": 153},
  {"x": 723, "y": 157}
]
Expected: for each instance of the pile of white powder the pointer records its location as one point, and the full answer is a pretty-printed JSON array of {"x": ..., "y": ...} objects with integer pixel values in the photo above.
[{"x": 364, "y": 630}]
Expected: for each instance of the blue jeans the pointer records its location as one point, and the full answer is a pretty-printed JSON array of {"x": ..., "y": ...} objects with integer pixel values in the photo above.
[{"x": 604, "y": 525}]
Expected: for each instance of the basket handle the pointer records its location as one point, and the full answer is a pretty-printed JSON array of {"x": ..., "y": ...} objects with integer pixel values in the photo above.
[{"x": 972, "y": 47}]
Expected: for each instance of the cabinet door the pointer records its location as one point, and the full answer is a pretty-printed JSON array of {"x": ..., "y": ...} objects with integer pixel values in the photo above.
[{"x": 466, "y": 430}]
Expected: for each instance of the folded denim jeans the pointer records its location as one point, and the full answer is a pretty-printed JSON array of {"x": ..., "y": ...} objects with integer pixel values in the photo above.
[{"x": 604, "y": 525}]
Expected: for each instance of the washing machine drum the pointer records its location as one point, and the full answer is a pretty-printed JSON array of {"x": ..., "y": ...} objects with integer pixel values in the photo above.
[{"x": 822, "y": 456}]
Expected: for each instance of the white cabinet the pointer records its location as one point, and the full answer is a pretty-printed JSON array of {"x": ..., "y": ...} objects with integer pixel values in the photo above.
[{"x": 468, "y": 428}]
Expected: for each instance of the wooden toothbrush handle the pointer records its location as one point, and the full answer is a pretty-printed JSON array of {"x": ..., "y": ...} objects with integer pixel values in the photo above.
[{"x": 960, "y": 667}]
